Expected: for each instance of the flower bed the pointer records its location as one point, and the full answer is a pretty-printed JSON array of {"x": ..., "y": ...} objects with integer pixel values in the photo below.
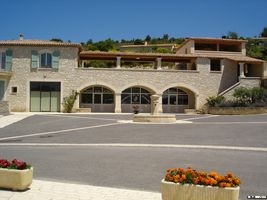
[
  {"x": 187, "y": 183},
  {"x": 15, "y": 175}
]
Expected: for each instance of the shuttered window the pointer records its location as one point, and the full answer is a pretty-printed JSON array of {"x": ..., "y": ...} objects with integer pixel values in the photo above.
[{"x": 45, "y": 60}]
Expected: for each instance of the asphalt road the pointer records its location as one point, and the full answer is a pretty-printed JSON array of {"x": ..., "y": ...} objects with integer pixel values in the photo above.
[{"x": 100, "y": 150}]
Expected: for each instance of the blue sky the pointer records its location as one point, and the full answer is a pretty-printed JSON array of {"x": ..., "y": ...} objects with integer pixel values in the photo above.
[{"x": 80, "y": 20}]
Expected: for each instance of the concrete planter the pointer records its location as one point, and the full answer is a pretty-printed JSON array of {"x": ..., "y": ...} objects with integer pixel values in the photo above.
[
  {"x": 176, "y": 191},
  {"x": 236, "y": 110},
  {"x": 15, "y": 179}
]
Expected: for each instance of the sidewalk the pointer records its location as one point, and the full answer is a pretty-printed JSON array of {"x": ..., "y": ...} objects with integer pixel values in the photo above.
[
  {"x": 47, "y": 190},
  {"x": 12, "y": 118}
]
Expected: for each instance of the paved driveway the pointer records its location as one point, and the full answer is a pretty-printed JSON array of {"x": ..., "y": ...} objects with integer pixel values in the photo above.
[{"x": 106, "y": 150}]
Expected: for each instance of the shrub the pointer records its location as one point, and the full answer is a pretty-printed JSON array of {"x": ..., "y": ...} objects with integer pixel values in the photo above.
[
  {"x": 214, "y": 100},
  {"x": 257, "y": 94},
  {"x": 246, "y": 96},
  {"x": 69, "y": 101}
]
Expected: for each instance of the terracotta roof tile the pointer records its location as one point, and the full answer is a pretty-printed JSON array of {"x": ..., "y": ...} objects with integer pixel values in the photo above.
[{"x": 37, "y": 43}]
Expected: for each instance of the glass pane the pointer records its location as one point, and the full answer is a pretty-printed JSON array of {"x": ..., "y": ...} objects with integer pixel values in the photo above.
[
  {"x": 105, "y": 90},
  {"x": 45, "y": 87},
  {"x": 35, "y": 101},
  {"x": 87, "y": 98},
  {"x": 172, "y": 90},
  {"x": 108, "y": 99},
  {"x": 145, "y": 99},
  {"x": 181, "y": 92},
  {"x": 49, "y": 60},
  {"x": 135, "y": 98},
  {"x": 144, "y": 91},
  {"x": 183, "y": 100},
  {"x": 97, "y": 99},
  {"x": 127, "y": 91},
  {"x": 173, "y": 100},
  {"x": 125, "y": 98},
  {"x": 55, "y": 101},
  {"x": 135, "y": 90},
  {"x": 3, "y": 60},
  {"x": 45, "y": 101},
  {"x": 98, "y": 89},
  {"x": 35, "y": 86},
  {"x": 43, "y": 60},
  {"x": 55, "y": 86},
  {"x": 165, "y": 99},
  {"x": 89, "y": 90}
]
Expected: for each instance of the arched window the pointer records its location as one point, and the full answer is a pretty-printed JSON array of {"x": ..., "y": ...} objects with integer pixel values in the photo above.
[
  {"x": 174, "y": 96},
  {"x": 135, "y": 95},
  {"x": 97, "y": 95}
]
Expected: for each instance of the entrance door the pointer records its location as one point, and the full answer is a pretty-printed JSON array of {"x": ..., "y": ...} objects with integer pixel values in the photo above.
[
  {"x": 2, "y": 90},
  {"x": 45, "y": 96}
]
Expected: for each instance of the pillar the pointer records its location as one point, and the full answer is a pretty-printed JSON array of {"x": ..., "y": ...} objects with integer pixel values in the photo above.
[
  {"x": 158, "y": 63},
  {"x": 117, "y": 103},
  {"x": 241, "y": 67},
  {"x": 118, "y": 63}
]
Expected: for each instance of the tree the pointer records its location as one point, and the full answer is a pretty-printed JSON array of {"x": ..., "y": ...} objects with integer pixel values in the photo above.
[
  {"x": 232, "y": 35},
  {"x": 264, "y": 32},
  {"x": 148, "y": 38},
  {"x": 56, "y": 40},
  {"x": 165, "y": 37},
  {"x": 138, "y": 41}
]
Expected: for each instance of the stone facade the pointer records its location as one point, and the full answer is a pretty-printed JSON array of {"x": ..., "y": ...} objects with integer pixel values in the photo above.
[
  {"x": 4, "y": 107},
  {"x": 198, "y": 84}
]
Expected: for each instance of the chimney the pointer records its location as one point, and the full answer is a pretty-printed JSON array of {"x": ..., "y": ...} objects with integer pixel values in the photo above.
[{"x": 21, "y": 37}]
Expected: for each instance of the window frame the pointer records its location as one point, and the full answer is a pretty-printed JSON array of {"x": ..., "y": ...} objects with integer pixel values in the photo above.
[
  {"x": 93, "y": 93},
  {"x": 2, "y": 60},
  {"x": 47, "y": 63},
  {"x": 214, "y": 67},
  {"x": 175, "y": 97},
  {"x": 141, "y": 95}
]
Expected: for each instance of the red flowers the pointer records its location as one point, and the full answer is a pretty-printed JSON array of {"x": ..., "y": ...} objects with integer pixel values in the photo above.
[{"x": 14, "y": 164}]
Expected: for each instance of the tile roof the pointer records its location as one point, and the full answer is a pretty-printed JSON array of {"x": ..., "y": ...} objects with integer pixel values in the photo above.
[
  {"x": 151, "y": 56},
  {"x": 237, "y": 57},
  {"x": 37, "y": 43}
]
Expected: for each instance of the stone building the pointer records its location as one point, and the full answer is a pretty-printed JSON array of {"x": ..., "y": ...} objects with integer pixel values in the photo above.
[{"x": 36, "y": 75}]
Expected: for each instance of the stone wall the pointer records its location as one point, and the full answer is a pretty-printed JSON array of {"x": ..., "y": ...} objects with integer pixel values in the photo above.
[
  {"x": 237, "y": 110},
  {"x": 4, "y": 107},
  {"x": 201, "y": 82}
]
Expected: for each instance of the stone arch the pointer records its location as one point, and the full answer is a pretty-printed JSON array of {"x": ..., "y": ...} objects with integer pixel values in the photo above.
[
  {"x": 136, "y": 96},
  {"x": 178, "y": 97},
  {"x": 99, "y": 98}
]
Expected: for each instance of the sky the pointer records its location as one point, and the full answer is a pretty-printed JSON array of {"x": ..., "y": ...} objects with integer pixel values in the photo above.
[{"x": 80, "y": 20}]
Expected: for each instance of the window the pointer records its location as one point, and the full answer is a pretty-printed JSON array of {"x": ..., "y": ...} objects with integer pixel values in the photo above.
[
  {"x": 97, "y": 95},
  {"x": 135, "y": 95},
  {"x": 2, "y": 60},
  {"x": 175, "y": 96},
  {"x": 46, "y": 60},
  {"x": 14, "y": 90},
  {"x": 215, "y": 65}
]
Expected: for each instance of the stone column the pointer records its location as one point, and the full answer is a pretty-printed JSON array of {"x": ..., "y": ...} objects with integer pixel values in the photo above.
[
  {"x": 117, "y": 103},
  {"x": 118, "y": 63},
  {"x": 158, "y": 63},
  {"x": 241, "y": 67},
  {"x": 154, "y": 104}
]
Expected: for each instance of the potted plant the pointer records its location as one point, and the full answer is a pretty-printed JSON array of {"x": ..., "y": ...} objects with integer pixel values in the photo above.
[
  {"x": 184, "y": 184},
  {"x": 136, "y": 109},
  {"x": 15, "y": 175}
]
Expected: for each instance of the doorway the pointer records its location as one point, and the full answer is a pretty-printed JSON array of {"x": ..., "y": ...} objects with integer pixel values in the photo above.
[{"x": 45, "y": 96}]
